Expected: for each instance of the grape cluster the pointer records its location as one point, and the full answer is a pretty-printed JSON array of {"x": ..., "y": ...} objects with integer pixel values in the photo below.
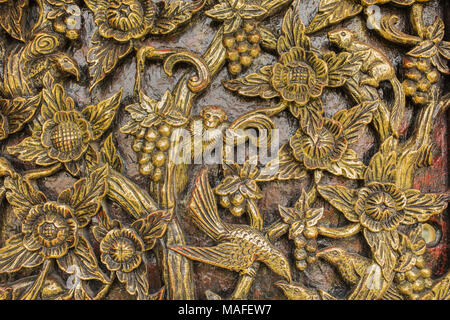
[
  {"x": 152, "y": 145},
  {"x": 242, "y": 47},
  {"x": 420, "y": 75},
  {"x": 235, "y": 203},
  {"x": 305, "y": 248},
  {"x": 412, "y": 282}
]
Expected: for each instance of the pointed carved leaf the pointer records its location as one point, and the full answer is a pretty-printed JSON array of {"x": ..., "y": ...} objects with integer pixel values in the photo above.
[
  {"x": 421, "y": 206},
  {"x": 82, "y": 261},
  {"x": 103, "y": 58},
  {"x": 293, "y": 33},
  {"x": 110, "y": 155},
  {"x": 384, "y": 245},
  {"x": 355, "y": 119},
  {"x": 251, "y": 11},
  {"x": 343, "y": 66},
  {"x": 19, "y": 111},
  {"x": 54, "y": 98},
  {"x": 333, "y": 11},
  {"x": 255, "y": 84},
  {"x": 348, "y": 166},
  {"x": 152, "y": 227},
  {"x": 283, "y": 167},
  {"x": 382, "y": 166},
  {"x": 85, "y": 195},
  {"x": 342, "y": 198},
  {"x": 175, "y": 14},
  {"x": 22, "y": 196},
  {"x": 310, "y": 115},
  {"x": 425, "y": 49},
  {"x": 136, "y": 281},
  {"x": 101, "y": 115},
  {"x": 12, "y": 17},
  {"x": 14, "y": 256},
  {"x": 221, "y": 11},
  {"x": 31, "y": 149}
]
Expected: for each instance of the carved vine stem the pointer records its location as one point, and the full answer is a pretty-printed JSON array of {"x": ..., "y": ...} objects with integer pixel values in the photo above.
[{"x": 33, "y": 291}]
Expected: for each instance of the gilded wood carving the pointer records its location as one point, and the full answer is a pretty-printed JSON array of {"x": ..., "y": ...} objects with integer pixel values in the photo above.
[{"x": 199, "y": 198}]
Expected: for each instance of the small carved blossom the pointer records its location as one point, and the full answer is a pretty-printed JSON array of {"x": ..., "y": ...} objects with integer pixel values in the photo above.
[{"x": 123, "y": 248}]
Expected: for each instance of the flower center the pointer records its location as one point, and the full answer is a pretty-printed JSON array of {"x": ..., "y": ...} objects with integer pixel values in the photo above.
[
  {"x": 49, "y": 231},
  {"x": 123, "y": 250},
  {"x": 66, "y": 136},
  {"x": 125, "y": 15},
  {"x": 380, "y": 206},
  {"x": 320, "y": 145},
  {"x": 300, "y": 74}
]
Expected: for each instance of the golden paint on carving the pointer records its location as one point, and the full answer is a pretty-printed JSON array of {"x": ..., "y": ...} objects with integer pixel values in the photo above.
[{"x": 380, "y": 203}]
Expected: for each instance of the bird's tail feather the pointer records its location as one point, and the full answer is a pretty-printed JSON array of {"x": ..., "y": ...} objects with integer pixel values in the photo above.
[{"x": 203, "y": 207}]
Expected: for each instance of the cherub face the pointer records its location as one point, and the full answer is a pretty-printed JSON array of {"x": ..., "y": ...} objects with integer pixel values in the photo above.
[{"x": 213, "y": 116}]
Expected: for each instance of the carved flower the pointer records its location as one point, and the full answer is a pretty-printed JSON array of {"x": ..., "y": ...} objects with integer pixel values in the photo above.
[
  {"x": 299, "y": 75},
  {"x": 381, "y": 207},
  {"x": 63, "y": 135},
  {"x": 66, "y": 136},
  {"x": 123, "y": 248},
  {"x": 50, "y": 229},
  {"x": 321, "y": 150},
  {"x": 123, "y": 20}
]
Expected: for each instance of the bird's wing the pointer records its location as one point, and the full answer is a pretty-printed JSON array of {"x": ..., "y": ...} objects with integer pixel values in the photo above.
[{"x": 226, "y": 255}]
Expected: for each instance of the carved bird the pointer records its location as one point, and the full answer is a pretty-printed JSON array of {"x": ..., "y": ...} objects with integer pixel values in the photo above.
[
  {"x": 297, "y": 292},
  {"x": 239, "y": 245},
  {"x": 362, "y": 272},
  {"x": 25, "y": 66}
]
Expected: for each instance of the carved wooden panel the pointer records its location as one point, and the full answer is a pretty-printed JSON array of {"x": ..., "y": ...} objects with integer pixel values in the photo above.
[{"x": 235, "y": 149}]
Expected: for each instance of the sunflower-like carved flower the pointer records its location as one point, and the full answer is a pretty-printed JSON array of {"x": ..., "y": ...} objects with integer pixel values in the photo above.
[
  {"x": 381, "y": 207},
  {"x": 328, "y": 149},
  {"x": 123, "y": 248},
  {"x": 62, "y": 134},
  {"x": 50, "y": 230},
  {"x": 123, "y": 20},
  {"x": 299, "y": 76}
]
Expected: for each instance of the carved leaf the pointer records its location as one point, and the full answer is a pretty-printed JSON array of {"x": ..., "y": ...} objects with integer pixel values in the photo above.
[
  {"x": 355, "y": 119},
  {"x": 110, "y": 155},
  {"x": 136, "y": 281},
  {"x": 31, "y": 149},
  {"x": 425, "y": 49},
  {"x": 102, "y": 114},
  {"x": 310, "y": 115},
  {"x": 284, "y": 167},
  {"x": 333, "y": 11},
  {"x": 384, "y": 245},
  {"x": 104, "y": 56},
  {"x": 12, "y": 17},
  {"x": 14, "y": 256},
  {"x": 382, "y": 166},
  {"x": 82, "y": 261},
  {"x": 85, "y": 195},
  {"x": 342, "y": 198},
  {"x": 348, "y": 166},
  {"x": 343, "y": 66},
  {"x": 152, "y": 227},
  {"x": 22, "y": 196},
  {"x": 421, "y": 206},
  {"x": 255, "y": 84},
  {"x": 293, "y": 33},
  {"x": 174, "y": 14}
]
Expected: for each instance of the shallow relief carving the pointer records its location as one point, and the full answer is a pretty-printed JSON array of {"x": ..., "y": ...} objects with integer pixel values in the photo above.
[{"x": 223, "y": 150}]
